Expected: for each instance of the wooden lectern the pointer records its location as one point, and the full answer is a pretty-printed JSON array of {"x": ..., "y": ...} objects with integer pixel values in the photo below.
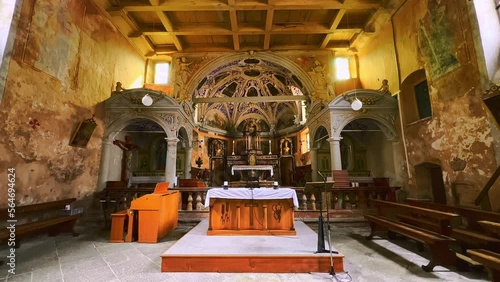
[{"x": 157, "y": 213}]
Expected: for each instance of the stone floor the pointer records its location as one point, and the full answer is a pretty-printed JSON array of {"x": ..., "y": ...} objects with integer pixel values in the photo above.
[{"x": 90, "y": 258}]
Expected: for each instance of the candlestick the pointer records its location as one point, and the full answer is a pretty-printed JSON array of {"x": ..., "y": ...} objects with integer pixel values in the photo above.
[{"x": 269, "y": 146}]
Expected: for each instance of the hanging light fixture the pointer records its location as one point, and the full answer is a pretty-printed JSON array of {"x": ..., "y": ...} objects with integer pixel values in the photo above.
[
  {"x": 356, "y": 104},
  {"x": 147, "y": 100}
]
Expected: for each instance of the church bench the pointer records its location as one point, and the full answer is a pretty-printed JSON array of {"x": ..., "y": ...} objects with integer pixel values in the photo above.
[
  {"x": 473, "y": 239},
  {"x": 433, "y": 220},
  {"x": 438, "y": 244},
  {"x": 478, "y": 228},
  {"x": 39, "y": 218},
  {"x": 121, "y": 223},
  {"x": 117, "y": 196},
  {"x": 470, "y": 217},
  {"x": 492, "y": 227},
  {"x": 489, "y": 259}
]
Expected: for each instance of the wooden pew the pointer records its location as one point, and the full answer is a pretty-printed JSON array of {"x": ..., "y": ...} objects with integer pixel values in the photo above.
[
  {"x": 492, "y": 227},
  {"x": 116, "y": 196},
  {"x": 438, "y": 244},
  {"x": 489, "y": 259},
  {"x": 436, "y": 221},
  {"x": 470, "y": 217},
  {"x": 39, "y": 218},
  {"x": 471, "y": 233},
  {"x": 122, "y": 222},
  {"x": 391, "y": 216}
]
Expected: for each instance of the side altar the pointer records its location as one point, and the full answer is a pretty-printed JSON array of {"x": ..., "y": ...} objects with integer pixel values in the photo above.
[{"x": 241, "y": 211}]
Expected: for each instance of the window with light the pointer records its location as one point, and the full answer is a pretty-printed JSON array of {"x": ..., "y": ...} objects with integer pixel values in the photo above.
[
  {"x": 342, "y": 68},
  {"x": 161, "y": 73}
]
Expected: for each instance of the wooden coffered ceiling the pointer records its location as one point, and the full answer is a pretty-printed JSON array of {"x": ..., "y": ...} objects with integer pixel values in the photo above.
[{"x": 159, "y": 27}]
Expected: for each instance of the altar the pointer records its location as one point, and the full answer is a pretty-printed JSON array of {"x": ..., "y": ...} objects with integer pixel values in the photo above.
[
  {"x": 252, "y": 168},
  {"x": 261, "y": 211}
]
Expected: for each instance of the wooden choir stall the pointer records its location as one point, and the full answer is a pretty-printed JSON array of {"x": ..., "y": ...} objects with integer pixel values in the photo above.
[
  {"x": 156, "y": 215},
  {"x": 242, "y": 211}
]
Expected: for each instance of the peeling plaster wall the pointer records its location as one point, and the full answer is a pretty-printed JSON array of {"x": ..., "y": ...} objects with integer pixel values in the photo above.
[
  {"x": 459, "y": 131},
  {"x": 67, "y": 58}
]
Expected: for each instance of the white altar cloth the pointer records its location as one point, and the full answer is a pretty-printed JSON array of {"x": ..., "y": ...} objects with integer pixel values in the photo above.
[
  {"x": 256, "y": 194},
  {"x": 252, "y": 167}
]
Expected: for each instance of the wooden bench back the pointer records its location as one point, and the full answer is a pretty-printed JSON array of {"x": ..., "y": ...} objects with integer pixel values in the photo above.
[
  {"x": 24, "y": 210},
  {"x": 470, "y": 217},
  {"x": 437, "y": 221}
]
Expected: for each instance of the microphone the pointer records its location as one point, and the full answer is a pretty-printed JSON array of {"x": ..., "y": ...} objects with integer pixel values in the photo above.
[{"x": 324, "y": 177}]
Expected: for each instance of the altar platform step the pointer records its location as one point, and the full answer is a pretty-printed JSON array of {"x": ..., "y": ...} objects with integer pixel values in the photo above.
[{"x": 198, "y": 252}]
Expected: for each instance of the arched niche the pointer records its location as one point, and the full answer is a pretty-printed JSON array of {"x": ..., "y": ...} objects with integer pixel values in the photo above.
[
  {"x": 379, "y": 109},
  {"x": 377, "y": 106},
  {"x": 124, "y": 108}
]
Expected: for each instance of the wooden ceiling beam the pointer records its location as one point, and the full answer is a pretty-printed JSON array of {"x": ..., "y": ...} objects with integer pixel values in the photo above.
[
  {"x": 269, "y": 25},
  {"x": 167, "y": 24},
  {"x": 333, "y": 26},
  {"x": 309, "y": 28},
  {"x": 217, "y": 30},
  {"x": 233, "y": 18},
  {"x": 217, "y": 5}
]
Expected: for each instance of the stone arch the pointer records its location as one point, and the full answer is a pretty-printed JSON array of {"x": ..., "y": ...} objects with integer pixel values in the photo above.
[
  {"x": 123, "y": 108},
  {"x": 279, "y": 60},
  {"x": 377, "y": 106},
  {"x": 317, "y": 131},
  {"x": 128, "y": 119}
]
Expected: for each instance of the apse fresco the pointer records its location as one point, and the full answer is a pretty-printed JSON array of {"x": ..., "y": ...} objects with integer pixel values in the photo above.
[{"x": 250, "y": 78}]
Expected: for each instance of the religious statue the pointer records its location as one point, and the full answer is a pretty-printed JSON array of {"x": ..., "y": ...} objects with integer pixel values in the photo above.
[
  {"x": 318, "y": 75},
  {"x": 252, "y": 131},
  {"x": 286, "y": 148},
  {"x": 219, "y": 148},
  {"x": 183, "y": 73},
  {"x": 385, "y": 87},
  {"x": 127, "y": 148},
  {"x": 119, "y": 87}
]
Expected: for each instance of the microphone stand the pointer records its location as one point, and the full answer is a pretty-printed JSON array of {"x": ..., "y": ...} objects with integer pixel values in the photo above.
[{"x": 320, "y": 228}]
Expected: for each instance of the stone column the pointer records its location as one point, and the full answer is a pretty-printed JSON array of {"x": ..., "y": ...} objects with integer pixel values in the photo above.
[
  {"x": 335, "y": 152},
  {"x": 170, "y": 164},
  {"x": 313, "y": 153},
  {"x": 105, "y": 163},
  {"x": 187, "y": 162}
]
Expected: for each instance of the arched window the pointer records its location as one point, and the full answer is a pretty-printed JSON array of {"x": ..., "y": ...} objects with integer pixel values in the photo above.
[
  {"x": 415, "y": 98},
  {"x": 162, "y": 70}
]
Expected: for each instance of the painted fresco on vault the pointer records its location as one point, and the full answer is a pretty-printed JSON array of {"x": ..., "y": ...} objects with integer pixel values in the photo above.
[
  {"x": 436, "y": 40},
  {"x": 54, "y": 39}
]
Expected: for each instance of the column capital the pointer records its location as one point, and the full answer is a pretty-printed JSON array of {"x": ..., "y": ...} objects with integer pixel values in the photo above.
[
  {"x": 334, "y": 139},
  {"x": 172, "y": 140},
  {"x": 107, "y": 141}
]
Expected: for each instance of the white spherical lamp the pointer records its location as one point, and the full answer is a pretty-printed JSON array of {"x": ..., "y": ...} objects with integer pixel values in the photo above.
[
  {"x": 356, "y": 104},
  {"x": 147, "y": 100}
]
